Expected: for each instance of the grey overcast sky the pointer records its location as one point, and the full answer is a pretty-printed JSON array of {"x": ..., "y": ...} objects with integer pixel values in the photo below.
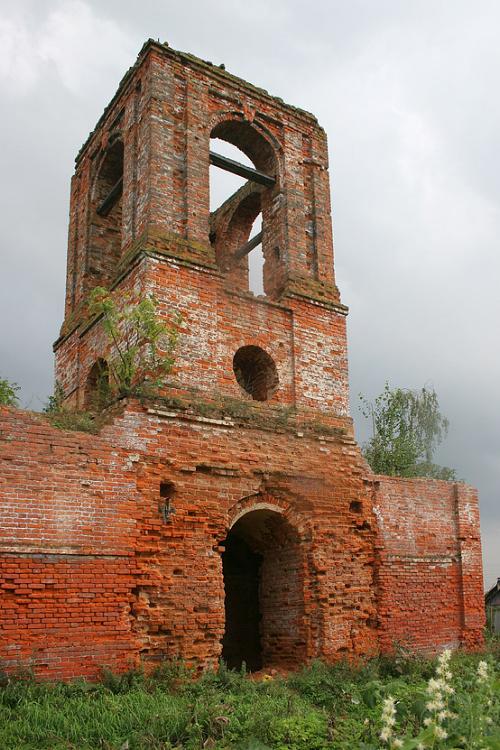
[{"x": 408, "y": 92}]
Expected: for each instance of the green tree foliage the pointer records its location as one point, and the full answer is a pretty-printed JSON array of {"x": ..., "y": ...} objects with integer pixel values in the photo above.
[
  {"x": 8, "y": 393},
  {"x": 142, "y": 343},
  {"x": 407, "y": 428}
]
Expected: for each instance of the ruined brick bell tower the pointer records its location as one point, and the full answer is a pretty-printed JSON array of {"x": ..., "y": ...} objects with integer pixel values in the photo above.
[
  {"x": 232, "y": 514},
  {"x": 256, "y": 448},
  {"x": 140, "y": 215}
]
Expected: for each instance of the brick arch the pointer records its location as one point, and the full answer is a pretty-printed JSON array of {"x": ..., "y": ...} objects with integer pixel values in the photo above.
[
  {"x": 232, "y": 126},
  {"x": 265, "y": 501},
  {"x": 228, "y": 211},
  {"x": 231, "y": 224}
]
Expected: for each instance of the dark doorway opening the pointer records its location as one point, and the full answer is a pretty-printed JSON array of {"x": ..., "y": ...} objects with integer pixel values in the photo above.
[
  {"x": 241, "y": 568},
  {"x": 263, "y": 568}
]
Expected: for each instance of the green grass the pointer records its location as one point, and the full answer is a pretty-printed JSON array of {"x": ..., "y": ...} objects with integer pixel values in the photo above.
[{"x": 320, "y": 707}]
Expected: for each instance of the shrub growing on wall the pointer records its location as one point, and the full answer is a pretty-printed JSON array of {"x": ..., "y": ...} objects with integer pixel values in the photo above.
[
  {"x": 141, "y": 346},
  {"x": 8, "y": 393},
  {"x": 142, "y": 343}
]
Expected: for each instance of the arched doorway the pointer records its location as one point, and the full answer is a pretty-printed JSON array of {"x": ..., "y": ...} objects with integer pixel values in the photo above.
[{"x": 264, "y": 592}]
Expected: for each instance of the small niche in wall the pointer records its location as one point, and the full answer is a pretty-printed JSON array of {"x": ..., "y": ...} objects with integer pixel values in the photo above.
[{"x": 166, "y": 508}]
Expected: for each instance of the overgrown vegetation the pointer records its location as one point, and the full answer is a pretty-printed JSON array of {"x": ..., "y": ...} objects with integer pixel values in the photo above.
[
  {"x": 142, "y": 343},
  {"x": 141, "y": 346},
  {"x": 407, "y": 428},
  {"x": 8, "y": 393},
  {"x": 385, "y": 703},
  {"x": 66, "y": 418}
]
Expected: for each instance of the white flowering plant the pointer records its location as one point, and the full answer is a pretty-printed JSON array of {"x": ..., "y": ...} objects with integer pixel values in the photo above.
[
  {"x": 460, "y": 709},
  {"x": 386, "y": 703}
]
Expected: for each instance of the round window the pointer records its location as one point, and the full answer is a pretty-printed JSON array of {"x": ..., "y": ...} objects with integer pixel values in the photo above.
[{"x": 256, "y": 372}]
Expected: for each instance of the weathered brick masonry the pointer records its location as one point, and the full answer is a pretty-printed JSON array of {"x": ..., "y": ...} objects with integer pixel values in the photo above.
[{"x": 235, "y": 514}]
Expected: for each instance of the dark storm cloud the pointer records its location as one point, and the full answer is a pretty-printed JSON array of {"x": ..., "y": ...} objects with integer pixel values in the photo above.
[{"x": 407, "y": 93}]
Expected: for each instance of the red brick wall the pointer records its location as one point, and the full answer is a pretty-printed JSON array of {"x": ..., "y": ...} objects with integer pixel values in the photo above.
[
  {"x": 66, "y": 536},
  {"x": 429, "y": 563},
  {"x": 306, "y": 341},
  {"x": 93, "y": 576},
  {"x": 66, "y": 615},
  {"x": 97, "y": 508}
]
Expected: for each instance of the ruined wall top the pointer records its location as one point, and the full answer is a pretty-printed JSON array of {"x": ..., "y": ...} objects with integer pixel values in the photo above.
[{"x": 214, "y": 71}]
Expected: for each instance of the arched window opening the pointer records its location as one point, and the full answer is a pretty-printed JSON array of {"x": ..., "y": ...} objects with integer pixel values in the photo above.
[
  {"x": 244, "y": 219},
  {"x": 97, "y": 391},
  {"x": 106, "y": 222},
  {"x": 264, "y": 593}
]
